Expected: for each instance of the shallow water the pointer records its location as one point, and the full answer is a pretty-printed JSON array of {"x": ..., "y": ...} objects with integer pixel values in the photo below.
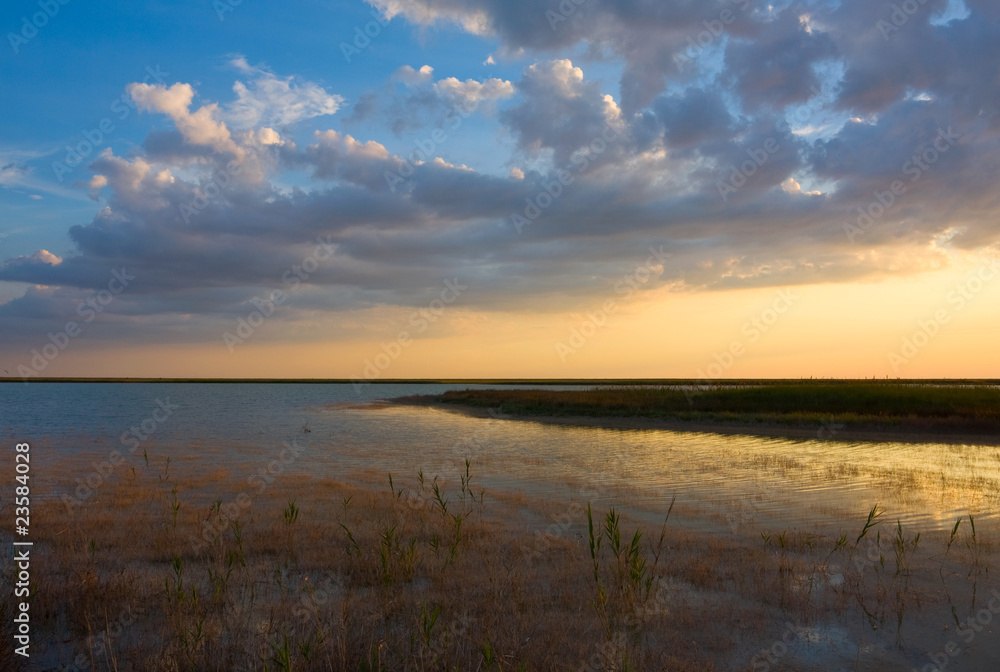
[
  {"x": 735, "y": 484},
  {"x": 741, "y": 482}
]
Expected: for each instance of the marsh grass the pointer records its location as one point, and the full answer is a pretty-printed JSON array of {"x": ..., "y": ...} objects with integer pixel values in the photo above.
[
  {"x": 318, "y": 574},
  {"x": 873, "y": 404}
]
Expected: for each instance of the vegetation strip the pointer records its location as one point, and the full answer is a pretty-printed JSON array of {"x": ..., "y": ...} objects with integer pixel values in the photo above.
[{"x": 877, "y": 406}]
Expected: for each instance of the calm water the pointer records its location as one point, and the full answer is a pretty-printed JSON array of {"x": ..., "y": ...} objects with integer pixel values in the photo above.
[{"x": 734, "y": 482}]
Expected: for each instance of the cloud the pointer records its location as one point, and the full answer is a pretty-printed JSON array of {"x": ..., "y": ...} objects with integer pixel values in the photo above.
[
  {"x": 97, "y": 182},
  {"x": 268, "y": 136},
  {"x": 200, "y": 128},
  {"x": 473, "y": 20},
  {"x": 364, "y": 109},
  {"x": 776, "y": 67},
  {"x": 424, "y": 102},
  {"x": 600, "y": 169},
  {"x": 269, "y": 100},
  {"x": 693, "y": 117},
  {"x": 791, "y": 186},
  {"x": 407, "y": 75},
  {"x": 12, "y": 173},
  {"x": 470, "y": 94},
  {"x": 560, "y": 111},
  {"x": 46, "y": 257},
  {"x": 19, "y": 173}
]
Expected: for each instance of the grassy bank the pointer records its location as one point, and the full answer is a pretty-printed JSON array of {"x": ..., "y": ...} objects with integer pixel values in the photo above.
[
  {"x": 874, "y": 405},
  {"x": 165, "y": 570}
]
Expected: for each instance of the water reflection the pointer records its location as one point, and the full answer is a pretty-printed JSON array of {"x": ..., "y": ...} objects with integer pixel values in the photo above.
[
  {"x": 739, "y": 482},
  {"x": 768, "y": 481}
]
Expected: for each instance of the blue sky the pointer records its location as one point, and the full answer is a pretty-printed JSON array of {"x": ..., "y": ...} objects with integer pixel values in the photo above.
[
  {"x": 68, "y": 77},
  {"x": 757, "y": 142}
]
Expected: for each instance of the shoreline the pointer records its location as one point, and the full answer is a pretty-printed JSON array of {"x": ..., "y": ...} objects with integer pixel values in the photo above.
[{"x": 864, "y": 434}]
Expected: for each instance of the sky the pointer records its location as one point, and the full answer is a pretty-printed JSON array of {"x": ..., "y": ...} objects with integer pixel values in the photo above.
[{"x": 500, "y": 188}]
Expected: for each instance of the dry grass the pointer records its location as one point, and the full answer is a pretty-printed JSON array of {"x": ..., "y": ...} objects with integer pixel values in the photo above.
[{"x": 178, "y": 571}]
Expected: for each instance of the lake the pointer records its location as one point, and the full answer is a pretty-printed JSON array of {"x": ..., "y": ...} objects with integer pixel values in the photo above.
[{"x": 722, "y": 482}]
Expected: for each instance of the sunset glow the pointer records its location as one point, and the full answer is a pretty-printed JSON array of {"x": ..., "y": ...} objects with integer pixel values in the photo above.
[{"x": 414, "y": 189}]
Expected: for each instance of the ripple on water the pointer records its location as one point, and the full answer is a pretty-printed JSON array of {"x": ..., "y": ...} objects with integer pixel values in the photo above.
[{"x": 754, "y": 480}]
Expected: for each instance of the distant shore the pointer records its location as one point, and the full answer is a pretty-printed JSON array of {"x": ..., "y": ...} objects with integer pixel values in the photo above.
[
  {"x": 953, "y": 416},
  {"x": 508, "y": 382}
]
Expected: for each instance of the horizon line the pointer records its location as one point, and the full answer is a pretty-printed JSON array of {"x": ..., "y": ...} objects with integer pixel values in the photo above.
[{"x": 490, "y": 381}]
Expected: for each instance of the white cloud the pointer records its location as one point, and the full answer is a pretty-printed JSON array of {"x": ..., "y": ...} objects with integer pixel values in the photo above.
[
  {"x": 407, "y": 75},
  {"x": 955, "y": 10},
  {"x": 199, "y": 127},
  {"x": 471, "y": 93},
  {"x": 474, "y": 21},
  {"x": 97, "y": 182},
  {"x": 268, "y": 136},
  {"x": 12, "y": 173},
  {"x": 46, "y": 257},
  {"x": 276, "y": 101},
  {"x": 792, "y": 187}
]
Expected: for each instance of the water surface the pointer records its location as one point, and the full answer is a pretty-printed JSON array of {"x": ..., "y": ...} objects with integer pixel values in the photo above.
[{"x": 741, "y": 482}]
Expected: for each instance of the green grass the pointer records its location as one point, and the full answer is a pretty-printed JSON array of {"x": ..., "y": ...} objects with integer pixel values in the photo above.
[{"x": 851, "y": 404}]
